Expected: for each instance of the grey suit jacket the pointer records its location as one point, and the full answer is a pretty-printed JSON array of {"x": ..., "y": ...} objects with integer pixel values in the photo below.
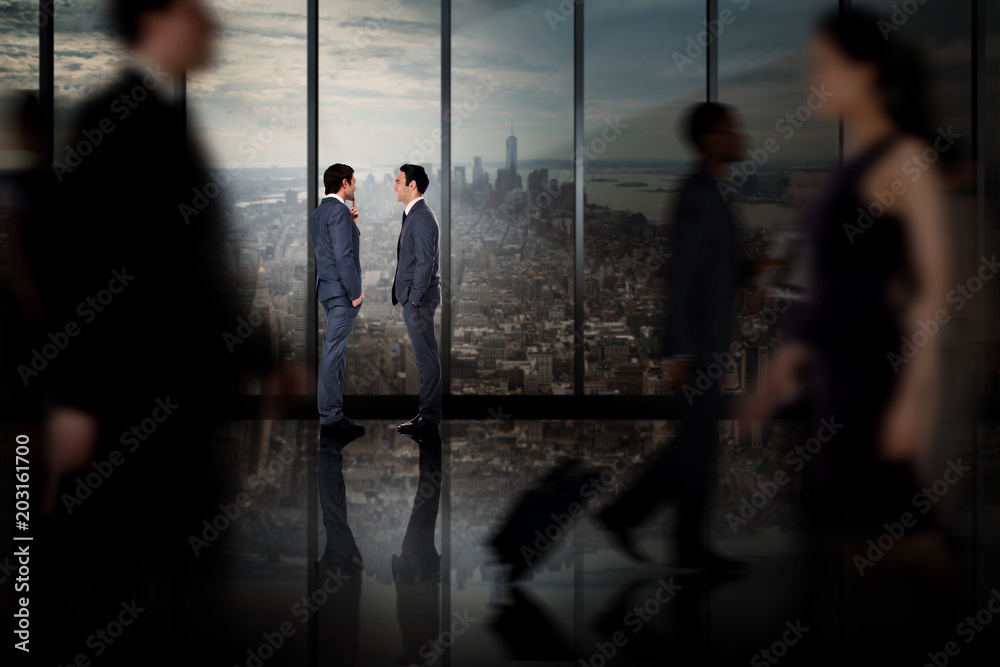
[
  {"x": 418, "y": 265},
  {"x": 336, "y": 241}
]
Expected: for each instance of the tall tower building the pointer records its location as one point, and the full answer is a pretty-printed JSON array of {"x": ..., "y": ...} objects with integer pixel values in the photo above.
[
  {"x": 511, "y": 159},
  {"x": 477, "y": 172}
]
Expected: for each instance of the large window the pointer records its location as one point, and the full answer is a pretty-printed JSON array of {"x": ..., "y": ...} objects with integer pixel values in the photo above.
[
  {"x": 380, "y": 107},
  {"x": 18, "y": 72},
  {"x": 86, "y": 55},
  {"x": 510, "y": 221},
  {"x": 512, "y": 200},
  {"x": 19, "y": 45},
  {"x": 249, "y": 112},
  {"x": 633, "y": 164},
  {"x": 763, "y": 65}
]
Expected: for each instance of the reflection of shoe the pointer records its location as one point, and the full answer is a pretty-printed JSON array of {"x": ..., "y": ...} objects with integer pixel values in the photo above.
[
  {"x": 700, "y": 558},
  {"x": 349, "y": 564},
  {"x": 418, "y": 423},
  {"x": 400, "y": 572},
  {"x": 416, "y": 569},
  {"x": 622, "y": 537},
  {"x": 345, "y": 425}
]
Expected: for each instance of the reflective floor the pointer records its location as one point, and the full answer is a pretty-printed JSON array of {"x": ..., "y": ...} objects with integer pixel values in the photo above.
[{"x": 420, "y": 513}]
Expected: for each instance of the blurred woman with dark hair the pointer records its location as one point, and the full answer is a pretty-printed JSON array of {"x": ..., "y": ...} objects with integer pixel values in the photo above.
[{"x": 881, "y": 264}]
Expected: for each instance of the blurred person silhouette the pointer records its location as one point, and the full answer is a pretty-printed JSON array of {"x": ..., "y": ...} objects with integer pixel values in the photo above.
[
  {"x": 561, "y": 491},
  {"x": 145, "y": 371},
  {"x": 27, "y": 196},
  {"x": 704, "y": 272},
  {"x": 881, "y": 264}
]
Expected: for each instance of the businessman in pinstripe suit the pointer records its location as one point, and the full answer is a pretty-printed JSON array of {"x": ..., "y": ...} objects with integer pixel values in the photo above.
[
  {"x": 336, "y": 239},
  {"x": 417, "y": 286}
]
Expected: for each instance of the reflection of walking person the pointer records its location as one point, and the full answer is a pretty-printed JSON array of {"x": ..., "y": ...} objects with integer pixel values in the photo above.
[
  {"x": 869, "y": 292},
  {"x": 335, "y": 237},
  {"x": 704, "y": 273}
]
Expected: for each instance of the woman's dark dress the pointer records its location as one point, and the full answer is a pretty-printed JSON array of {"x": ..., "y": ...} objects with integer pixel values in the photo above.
[{"x": 860, "y": 253}]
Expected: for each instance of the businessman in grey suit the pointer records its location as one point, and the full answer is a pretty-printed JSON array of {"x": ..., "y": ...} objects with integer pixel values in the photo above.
[
  {"x": 417, "y": 286},
  {"x": 336, "y": 239}
]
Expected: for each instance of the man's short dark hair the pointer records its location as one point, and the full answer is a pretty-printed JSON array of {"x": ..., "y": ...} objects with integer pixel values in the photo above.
[
  {"x": 127, "y": 14},
  {"x": 414, "y": 172},
  {"x": 333, "y": 178},
  {"x": 704, "y": 118}
]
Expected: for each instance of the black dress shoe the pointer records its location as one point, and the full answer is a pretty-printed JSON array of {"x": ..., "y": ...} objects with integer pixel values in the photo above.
[
  {"x": 344, "y": 425},
  {"x": 345, "y": 428},
  {"x": 418, "y": 423}
]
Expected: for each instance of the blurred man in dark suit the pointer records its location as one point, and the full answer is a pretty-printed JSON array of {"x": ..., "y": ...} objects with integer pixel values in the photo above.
[
  {"x": 417, "y": 285},
  {"x": 145, "y": 371},
  {"x": 704, "y": 273},
  {"x": 135, "y": 223}
]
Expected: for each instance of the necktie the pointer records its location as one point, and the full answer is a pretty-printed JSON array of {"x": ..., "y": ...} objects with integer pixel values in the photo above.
[
  {"x": 398, "y": 246},
  {"x": 399, "y": 240}
]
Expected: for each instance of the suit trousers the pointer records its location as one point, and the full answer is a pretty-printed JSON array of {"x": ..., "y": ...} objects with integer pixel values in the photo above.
[
  {"x": 420, "y": 327},
  {"x": 333, "y": 363}
]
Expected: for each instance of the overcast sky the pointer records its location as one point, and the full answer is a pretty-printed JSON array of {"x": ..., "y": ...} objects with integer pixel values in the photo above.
[{"x": 380, "y": 74}]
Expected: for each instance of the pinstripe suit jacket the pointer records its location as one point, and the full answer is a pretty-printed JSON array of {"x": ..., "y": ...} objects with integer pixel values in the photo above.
[
  {"x": 336, "y": 240},
  {"x": 418, "y": 258}
]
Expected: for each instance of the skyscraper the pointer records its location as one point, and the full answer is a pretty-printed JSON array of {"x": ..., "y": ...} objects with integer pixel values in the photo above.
[
  {"x": 538, "y": 181},
  {"x": 477, "y": 173},
  {"x": 511, "y": 159}
]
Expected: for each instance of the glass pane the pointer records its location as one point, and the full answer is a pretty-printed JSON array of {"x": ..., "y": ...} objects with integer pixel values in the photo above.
[
  {"x": 634, "y": 160},
  {"x": 762, "y": 73},
  {"x": 87, "y": 55},
  {"x": 380, "y": 107},
  {"x": 513, "y": 199},
  {"x": 26, "y": 187},
  {"x": 19, "y": 45},
  {"x": 249, "y": 111}
]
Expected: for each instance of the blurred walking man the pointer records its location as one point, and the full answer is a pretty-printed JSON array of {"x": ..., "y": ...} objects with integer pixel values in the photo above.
[{"x": 704, "y": 274}]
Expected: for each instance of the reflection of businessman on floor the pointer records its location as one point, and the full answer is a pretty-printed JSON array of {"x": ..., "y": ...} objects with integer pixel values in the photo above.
[
  {"x": 417, "y": 286},
  {"x": 336, "y": 239}
]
